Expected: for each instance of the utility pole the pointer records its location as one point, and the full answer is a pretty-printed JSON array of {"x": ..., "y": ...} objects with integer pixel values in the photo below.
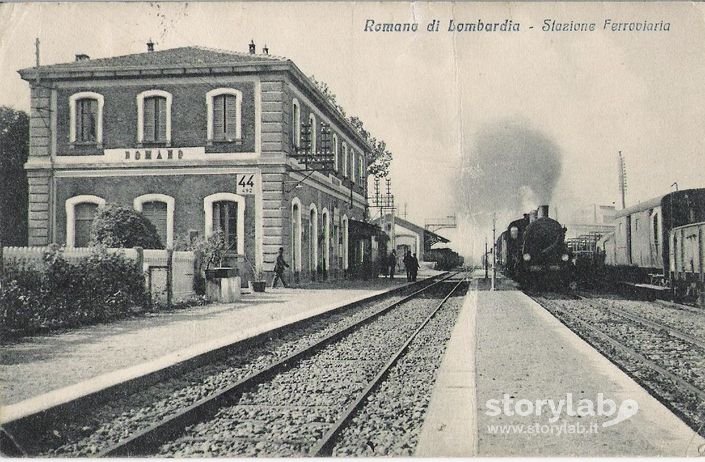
[
  {"x": 494, "y": 251},
  {"x": 622, "y": 180},
  {"x": 36, "y": 55},
  {"x": 486, "y": 262}
]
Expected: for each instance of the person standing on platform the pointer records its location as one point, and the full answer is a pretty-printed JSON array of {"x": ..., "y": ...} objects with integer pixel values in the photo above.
[
  {"x": 414, "y": 267},
  {"x": 392, "y": 263},
  {"x": 407, "y": 265},
  {"x": 279, "y": 267}
]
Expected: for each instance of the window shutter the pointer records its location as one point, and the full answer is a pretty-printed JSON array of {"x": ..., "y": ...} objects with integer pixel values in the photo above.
[
  {"x": 161, "y": 119},
  {"x": 149, "y": 133},
  {"x": 230, "y": 116},
  {"x": 218, "y": 116},
  {"x": 92, "y": 106}
]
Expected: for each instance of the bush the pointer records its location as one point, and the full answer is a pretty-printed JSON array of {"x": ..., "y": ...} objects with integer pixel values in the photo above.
[
  {"x": 117, "y": 226},
  {"x": 59, "y": 294}
]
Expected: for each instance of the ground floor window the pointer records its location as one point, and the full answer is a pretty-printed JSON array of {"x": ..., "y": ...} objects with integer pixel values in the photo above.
[
  {"x": 225, "y": 221},
  {"x": 156, "y": 213},
  {"x": 83, "y": 221},
  {"x": 225, "y": 212}
]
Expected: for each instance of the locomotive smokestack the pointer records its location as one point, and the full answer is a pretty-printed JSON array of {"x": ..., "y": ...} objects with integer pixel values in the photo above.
[
  {"x": 542, "y": 211},
  {"x": 532, "y": 216}
]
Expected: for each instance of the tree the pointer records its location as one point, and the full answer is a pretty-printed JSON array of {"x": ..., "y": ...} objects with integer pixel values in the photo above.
[
  {"x": 14, "y": 149},
  {"x": 379, "y": 159},
  {"x": 117, "y": 226}
]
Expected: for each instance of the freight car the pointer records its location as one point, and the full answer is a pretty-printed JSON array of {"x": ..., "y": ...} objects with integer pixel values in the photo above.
[
  {"x": 532, "y": 251},
  {"x": 640, "y": 249}
]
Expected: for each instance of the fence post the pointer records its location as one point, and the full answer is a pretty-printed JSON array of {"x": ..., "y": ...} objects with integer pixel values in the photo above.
[{"x": 169, "y": 277}]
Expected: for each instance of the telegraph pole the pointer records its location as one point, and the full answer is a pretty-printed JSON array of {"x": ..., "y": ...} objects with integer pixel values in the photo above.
[
  {"x": 494, "y": 251},
  {"x": 486, "y": 262}
]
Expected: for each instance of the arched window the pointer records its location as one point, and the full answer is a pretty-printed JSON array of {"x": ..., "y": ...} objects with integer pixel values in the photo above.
[
  {"x": 345, "y": 159},
  {"x": 314, "y": 133},
  {"x": 344, "y": 251},
  {"x": 313, "y": 238},
  {"x": 154, "y": 117},
  {"x": 86, "y": 113},
  {"x": 335, "y": 152},
  {"x": 296, "y": 233},
  {"x": 225, "y": 212},
  {"x": 159, "y": 209},
  {"x": 224, "y": 115},
  {"x": 80, "y": 212},
  {"x": 296, "y": 123}
]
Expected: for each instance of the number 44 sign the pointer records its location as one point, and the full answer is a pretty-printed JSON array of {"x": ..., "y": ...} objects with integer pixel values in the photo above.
[{"x": 246, "y": 183}]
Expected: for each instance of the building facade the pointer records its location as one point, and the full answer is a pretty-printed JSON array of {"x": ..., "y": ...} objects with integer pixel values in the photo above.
[{"x": 198, "y": 140}]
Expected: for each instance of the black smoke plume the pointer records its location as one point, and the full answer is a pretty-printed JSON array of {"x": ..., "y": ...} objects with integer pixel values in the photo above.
[{"x": 509, "y": 170}]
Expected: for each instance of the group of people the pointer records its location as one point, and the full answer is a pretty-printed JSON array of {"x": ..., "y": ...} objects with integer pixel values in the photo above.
[{"x": 411, "y": 264}]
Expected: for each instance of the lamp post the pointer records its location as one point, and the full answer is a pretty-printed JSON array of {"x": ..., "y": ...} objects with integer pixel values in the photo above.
[{"x": 494, "y": 251}]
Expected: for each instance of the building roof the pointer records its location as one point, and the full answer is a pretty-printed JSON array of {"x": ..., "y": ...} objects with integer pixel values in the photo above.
[
  {"x": 193, "y": 56},
  {"x": 191, "y": 60},
  {"x": 430, "y": 235}
]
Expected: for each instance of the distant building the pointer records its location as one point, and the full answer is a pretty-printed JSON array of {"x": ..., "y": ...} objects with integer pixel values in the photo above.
[
  {"x": 197, "y": 139},
  {"x": 594, "y": 219},
  {"x": 408, "y": 236}
]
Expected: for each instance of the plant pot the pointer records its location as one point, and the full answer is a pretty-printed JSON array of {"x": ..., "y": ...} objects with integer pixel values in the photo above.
[{"x": 259, "y": 286}]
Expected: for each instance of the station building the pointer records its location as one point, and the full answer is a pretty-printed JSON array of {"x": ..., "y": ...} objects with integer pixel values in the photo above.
[{"x": 197, "y": 139}]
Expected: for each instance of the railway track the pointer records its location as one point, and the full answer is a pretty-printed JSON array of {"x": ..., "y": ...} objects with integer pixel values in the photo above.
[
  {"x": 134, "y": 415},
  {"x": 659, "y": 371},
  {"x": 298, "y": 406},
  {"x": 651, "y": 323}
]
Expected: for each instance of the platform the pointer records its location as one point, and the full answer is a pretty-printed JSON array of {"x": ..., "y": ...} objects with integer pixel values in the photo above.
[
  {"x": 41, "y": 371},
  {"x": 508, "y": 348}
]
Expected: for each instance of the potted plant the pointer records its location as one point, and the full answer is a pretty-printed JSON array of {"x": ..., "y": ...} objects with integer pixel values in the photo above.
[
  {"x": 214, "y": 250},
  {"x": 259, "y": 279},
  {"x": 259, "y": 282}
]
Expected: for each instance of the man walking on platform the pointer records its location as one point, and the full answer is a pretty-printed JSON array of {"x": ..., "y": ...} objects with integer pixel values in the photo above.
[
  {"x": 407, "y": 265},
  {"x": 279, "y": 269},
  {"x": 414, "y": 268},
  {"x": 392, "y": 263}
]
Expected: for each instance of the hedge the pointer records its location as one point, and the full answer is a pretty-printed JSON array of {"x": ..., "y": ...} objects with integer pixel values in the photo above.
[{"x": 57, "y": 294}]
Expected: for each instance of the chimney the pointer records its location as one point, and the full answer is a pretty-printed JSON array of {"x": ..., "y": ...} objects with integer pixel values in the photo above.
[
  {"x": 82, "y": 57},
  {"x": 543, "y": 211},
  {"x": 252, "y": 47},
  {"x": 526, "y": 217},
  {"x": 265, "y": 50},
  {"x": 532, "y": 216},
  {"x": 150, "y": 46}
]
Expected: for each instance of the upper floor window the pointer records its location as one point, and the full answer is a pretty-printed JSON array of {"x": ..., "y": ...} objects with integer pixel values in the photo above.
[
  {"x": 296, "y": 123},
  {"x": 314, "y": 132},
  {"x": 345, "y": 159},
  {"x": 154, "y": 117},
  {"x": 224, "y": 114},
  {"x": 353, "y": 170},
  {"x": 86, "y": 112},
  {"x": 361, "y": 168},
  {"x": 335, "y": 152}
]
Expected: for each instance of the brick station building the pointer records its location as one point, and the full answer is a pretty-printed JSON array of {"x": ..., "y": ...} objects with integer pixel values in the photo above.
[{"x": 197, "y": 139}]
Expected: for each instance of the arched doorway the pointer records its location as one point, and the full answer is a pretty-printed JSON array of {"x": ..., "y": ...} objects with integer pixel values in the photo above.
[
  {"x": 325, "y": 264},
  {"x": 313, "y": 240},
  {"x": 296, "y": 236}
]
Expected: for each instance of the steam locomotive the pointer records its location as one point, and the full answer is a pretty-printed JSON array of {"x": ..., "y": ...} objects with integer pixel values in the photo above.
[{"x": 533, "y": 252}]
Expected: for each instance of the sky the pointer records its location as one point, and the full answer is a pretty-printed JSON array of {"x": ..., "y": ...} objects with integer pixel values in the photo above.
[{"x": 478, "y": 122}]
